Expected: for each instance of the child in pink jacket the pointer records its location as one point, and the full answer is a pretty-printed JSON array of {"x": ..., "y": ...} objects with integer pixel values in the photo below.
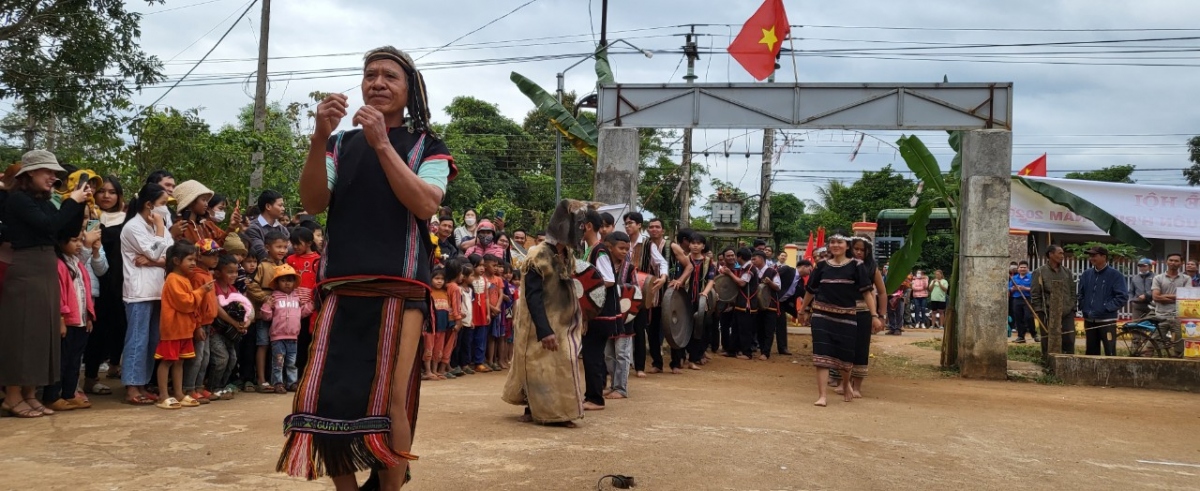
[
  {"x": 287, "y": 306},
  {"x": 78, "y": 312}
]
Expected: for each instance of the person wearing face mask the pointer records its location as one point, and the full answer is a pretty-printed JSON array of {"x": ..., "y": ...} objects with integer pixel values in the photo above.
[
  {"x": 191, "y": 201},
  {"x": 464, "y": 235},
  {"x": 485, "y": 241}
]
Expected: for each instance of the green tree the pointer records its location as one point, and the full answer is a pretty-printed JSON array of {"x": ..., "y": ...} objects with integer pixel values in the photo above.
[
  {"x": 787, "y": 214},
  {"x": 841, "y": 205},
  {"x": 1112, "y": 173},
  {"x": 498, "y": 163},
  {"x": 1193, "y": 173},
  {"x": 71, "y": 59}
]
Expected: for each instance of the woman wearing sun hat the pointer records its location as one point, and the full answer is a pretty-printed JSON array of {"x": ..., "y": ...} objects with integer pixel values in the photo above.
[
  {"x": 29, "y": 311},
  {"x": 191, "y": 204}
]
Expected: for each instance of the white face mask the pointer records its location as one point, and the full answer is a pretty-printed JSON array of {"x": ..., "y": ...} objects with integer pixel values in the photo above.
[
  {"x": 163, "y": 211},
  {"x": 470, "y": 222},
  {"x": 218, "y": 216}
]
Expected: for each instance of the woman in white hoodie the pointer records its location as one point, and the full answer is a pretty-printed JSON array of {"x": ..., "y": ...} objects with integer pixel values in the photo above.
[{"x": 144, "y": 243}]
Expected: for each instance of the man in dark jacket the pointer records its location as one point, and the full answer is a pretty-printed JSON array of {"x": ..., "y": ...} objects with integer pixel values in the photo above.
[
  {"x": 1102, "y": 293},
  {"x": 270, "y": 204}
]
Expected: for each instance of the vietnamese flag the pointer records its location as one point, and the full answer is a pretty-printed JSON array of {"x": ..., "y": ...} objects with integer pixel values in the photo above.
[
  {"x": 1037, "y": 168},
  {"x": 808, "y": 251},
  {"x": 758, "y": 43}
]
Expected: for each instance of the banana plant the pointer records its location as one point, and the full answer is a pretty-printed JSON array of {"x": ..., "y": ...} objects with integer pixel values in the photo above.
[
  {"x": 935, "y": 191},
  {"x": 580, "y": 133}
]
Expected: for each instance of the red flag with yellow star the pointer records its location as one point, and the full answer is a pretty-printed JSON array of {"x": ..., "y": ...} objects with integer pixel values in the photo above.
[
  {"x": 1037, "y": 168},
  {"x": 757, "y": 45}
]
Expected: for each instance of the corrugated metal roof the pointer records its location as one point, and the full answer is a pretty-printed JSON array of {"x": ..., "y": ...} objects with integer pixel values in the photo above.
[{"x": 904, "y": 213}]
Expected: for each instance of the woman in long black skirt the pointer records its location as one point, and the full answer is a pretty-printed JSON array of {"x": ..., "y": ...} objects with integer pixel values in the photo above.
[
  {"x": 30, "y": 322},
  {"x": 833, "y": 288},
  {"x": 864, "y": 251}
]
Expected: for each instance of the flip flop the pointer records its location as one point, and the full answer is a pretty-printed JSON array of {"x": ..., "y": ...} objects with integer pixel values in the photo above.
[
  {"x": 187, "y": 401},
  {"x": 138, "y": 400},
  {"x": 169, "y": 403},
  {"x": 98, "y": 389}
]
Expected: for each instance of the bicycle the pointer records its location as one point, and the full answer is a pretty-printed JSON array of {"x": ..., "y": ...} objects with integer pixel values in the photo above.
[{"x": 1156, "y": 337}]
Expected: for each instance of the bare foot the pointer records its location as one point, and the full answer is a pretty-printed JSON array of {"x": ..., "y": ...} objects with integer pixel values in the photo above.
[
  {"x": 856, "y": 394},
  {"x": 614, "y": 395},
  {"x": 676, "y": 371},
  {"x": 743, "y": 357},
  {"x": 847, "y": 395},
  {"x": 655, "y": 370},
  {"x": 838, "y": 390},
  {"x": 820, "y": 402},
  {"x": 607, "y": 392},
  {"x": 693, "y": 366},
  {"x": 587, "y": 406},
  {"x": 641, "y": 375},
  {"x": 762, "y": 357},
  {"x": 525, "y": 418}
]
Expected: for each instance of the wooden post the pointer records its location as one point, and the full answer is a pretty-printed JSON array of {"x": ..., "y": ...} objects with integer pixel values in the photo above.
[{"x": 1054, "y": 313}]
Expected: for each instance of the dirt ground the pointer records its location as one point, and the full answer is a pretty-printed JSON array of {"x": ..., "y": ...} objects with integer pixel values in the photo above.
[{"x": 736, "y": 425}]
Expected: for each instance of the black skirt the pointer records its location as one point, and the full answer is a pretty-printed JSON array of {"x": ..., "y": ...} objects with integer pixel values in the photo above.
[{"x": 30, "y": 319}]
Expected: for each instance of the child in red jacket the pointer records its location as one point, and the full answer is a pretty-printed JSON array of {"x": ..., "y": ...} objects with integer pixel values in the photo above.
[
  {"x": 75, "y": 290},
  {"x": 307, "y": 262}
]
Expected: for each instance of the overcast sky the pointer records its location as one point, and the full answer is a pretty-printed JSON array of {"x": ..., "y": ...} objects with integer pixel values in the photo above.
[{"x": 1086, "y": 105}]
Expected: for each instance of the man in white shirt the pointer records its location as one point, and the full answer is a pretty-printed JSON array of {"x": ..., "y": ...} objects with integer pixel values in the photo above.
[
  {"x": 600, "y": 328},
  {"x": 677, "y": 257},
  {"x": 647, "y": 259},
  {"x": 768, "y": 314}
]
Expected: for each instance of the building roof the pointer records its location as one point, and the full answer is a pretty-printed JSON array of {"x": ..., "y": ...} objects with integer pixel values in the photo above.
[{"x": 902, "y": 214}]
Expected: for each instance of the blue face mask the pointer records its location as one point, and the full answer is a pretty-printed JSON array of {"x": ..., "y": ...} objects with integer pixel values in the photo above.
[{"x": 486, "y": 240}]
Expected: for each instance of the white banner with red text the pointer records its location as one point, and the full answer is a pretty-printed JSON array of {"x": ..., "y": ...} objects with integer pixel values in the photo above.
[{"x": 1158, "y": 212}]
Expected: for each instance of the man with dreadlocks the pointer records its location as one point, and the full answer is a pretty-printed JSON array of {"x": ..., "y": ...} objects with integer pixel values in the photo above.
[{"x": 357, "y": 402}]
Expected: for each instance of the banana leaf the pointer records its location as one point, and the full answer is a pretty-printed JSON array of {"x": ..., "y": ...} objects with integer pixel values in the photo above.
[
  {"x": 1084, "y": 208},
  {"x": 907, "y": 256},
  {"x": 922, "y": 162},
  {"x": 604, "y": 73},
  {"x": 580, "y": 133}
]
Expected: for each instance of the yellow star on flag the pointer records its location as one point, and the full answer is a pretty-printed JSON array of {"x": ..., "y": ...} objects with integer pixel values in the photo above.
[{"x": 769, "y": 39}]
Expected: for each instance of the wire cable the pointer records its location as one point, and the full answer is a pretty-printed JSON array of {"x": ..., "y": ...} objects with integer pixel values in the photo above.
[
  {"x": 480, "y": 28},
  {"x": 214, "y": 47}
]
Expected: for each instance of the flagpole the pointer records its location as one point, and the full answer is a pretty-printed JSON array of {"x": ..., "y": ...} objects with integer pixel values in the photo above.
[{"x": 795, "y": 69}]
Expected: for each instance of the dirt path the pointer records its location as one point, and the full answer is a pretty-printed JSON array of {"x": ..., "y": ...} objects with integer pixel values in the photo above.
[{"x": 733, "y": 426}]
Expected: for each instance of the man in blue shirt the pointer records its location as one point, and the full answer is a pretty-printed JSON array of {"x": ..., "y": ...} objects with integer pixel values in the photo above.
[
  {"x": 1019, "y": 287},
  {"x": 1102, "y": 293}
]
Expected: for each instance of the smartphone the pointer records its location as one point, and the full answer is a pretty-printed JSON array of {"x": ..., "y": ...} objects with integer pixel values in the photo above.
[
  {"x": 83, "y": 180},
  {"x": 92, "y": 225},
  {"x": 500, "y": 214}
]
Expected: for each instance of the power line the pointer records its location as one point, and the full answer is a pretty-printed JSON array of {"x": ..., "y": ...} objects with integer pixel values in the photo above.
[
  {"x": 214, "y": 47},
  {"x": 181, "y": 7},
  {"x": 480, "y": 28}
]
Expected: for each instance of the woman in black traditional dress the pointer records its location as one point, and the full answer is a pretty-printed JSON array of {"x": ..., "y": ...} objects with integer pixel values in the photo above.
[
  {"x": 833, "y": 288},
  {"x": 862, "y": 250}
]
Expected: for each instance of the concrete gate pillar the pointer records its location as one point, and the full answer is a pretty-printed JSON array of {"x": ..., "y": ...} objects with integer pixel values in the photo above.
[
  {"x": 617, "y": 167},
  {"x": 983, "y": 288}
]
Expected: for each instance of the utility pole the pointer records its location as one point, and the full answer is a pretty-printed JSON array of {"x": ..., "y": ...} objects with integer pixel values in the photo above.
[
  {"x": 764, "y": 194},
  {"x": 260, "y": 99},
  {"x": 692, "y": 51},
  {"x": 604, "y": 23}
]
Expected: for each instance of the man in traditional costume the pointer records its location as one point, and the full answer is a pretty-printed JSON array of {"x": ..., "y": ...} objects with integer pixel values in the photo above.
[
  {"x": 548, "y": 325},
  {"x": 356, "y": 406}
]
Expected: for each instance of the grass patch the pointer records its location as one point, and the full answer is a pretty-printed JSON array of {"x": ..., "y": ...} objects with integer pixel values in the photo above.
[
  {"x": 905, "y": 367},
  {"x": 1031, "y": 353},
  {"x": 1049, "y": 379},
  {"x": 933, "y": 344}
]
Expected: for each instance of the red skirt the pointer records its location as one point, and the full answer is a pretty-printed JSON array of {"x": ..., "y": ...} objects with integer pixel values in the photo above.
[{"x": 175, "y": 350}]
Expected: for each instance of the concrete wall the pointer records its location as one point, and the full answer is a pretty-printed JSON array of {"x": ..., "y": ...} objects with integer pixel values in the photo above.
[{"x": 1145, "y": 373}]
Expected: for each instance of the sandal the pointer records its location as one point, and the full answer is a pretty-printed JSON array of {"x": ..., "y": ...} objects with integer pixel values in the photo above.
[
  {"x": 82, "y": 397},
  {"x": 138, "y": 400},
  {"x": 94, "y": 387},
  {"x": 6, "y": 410},
  {"x": 189, "y": 402},
  {"x": 168, "y": 403},
  {"x": 266, "y": 388},
  {"x": 280, "y": 388},
  {"x": 38, "y": 406},
  {"x": 249, "y": 387}
]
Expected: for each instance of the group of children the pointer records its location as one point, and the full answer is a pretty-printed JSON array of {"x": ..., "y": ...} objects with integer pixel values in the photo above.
[
  {"x": 219, "y": 308},
  {"x": 472, "y": 328}
]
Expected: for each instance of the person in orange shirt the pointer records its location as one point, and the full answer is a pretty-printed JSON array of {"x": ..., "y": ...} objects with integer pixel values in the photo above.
[
  {"x": 435, "y": 332},
  {"x": 494, "y": 274},
  {"x": 181, "y": 306},
  {"x": 207, "y": 254}
]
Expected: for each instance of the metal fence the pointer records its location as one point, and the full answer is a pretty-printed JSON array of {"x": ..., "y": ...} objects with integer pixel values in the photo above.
[{"x": 1078, "y": 265}]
